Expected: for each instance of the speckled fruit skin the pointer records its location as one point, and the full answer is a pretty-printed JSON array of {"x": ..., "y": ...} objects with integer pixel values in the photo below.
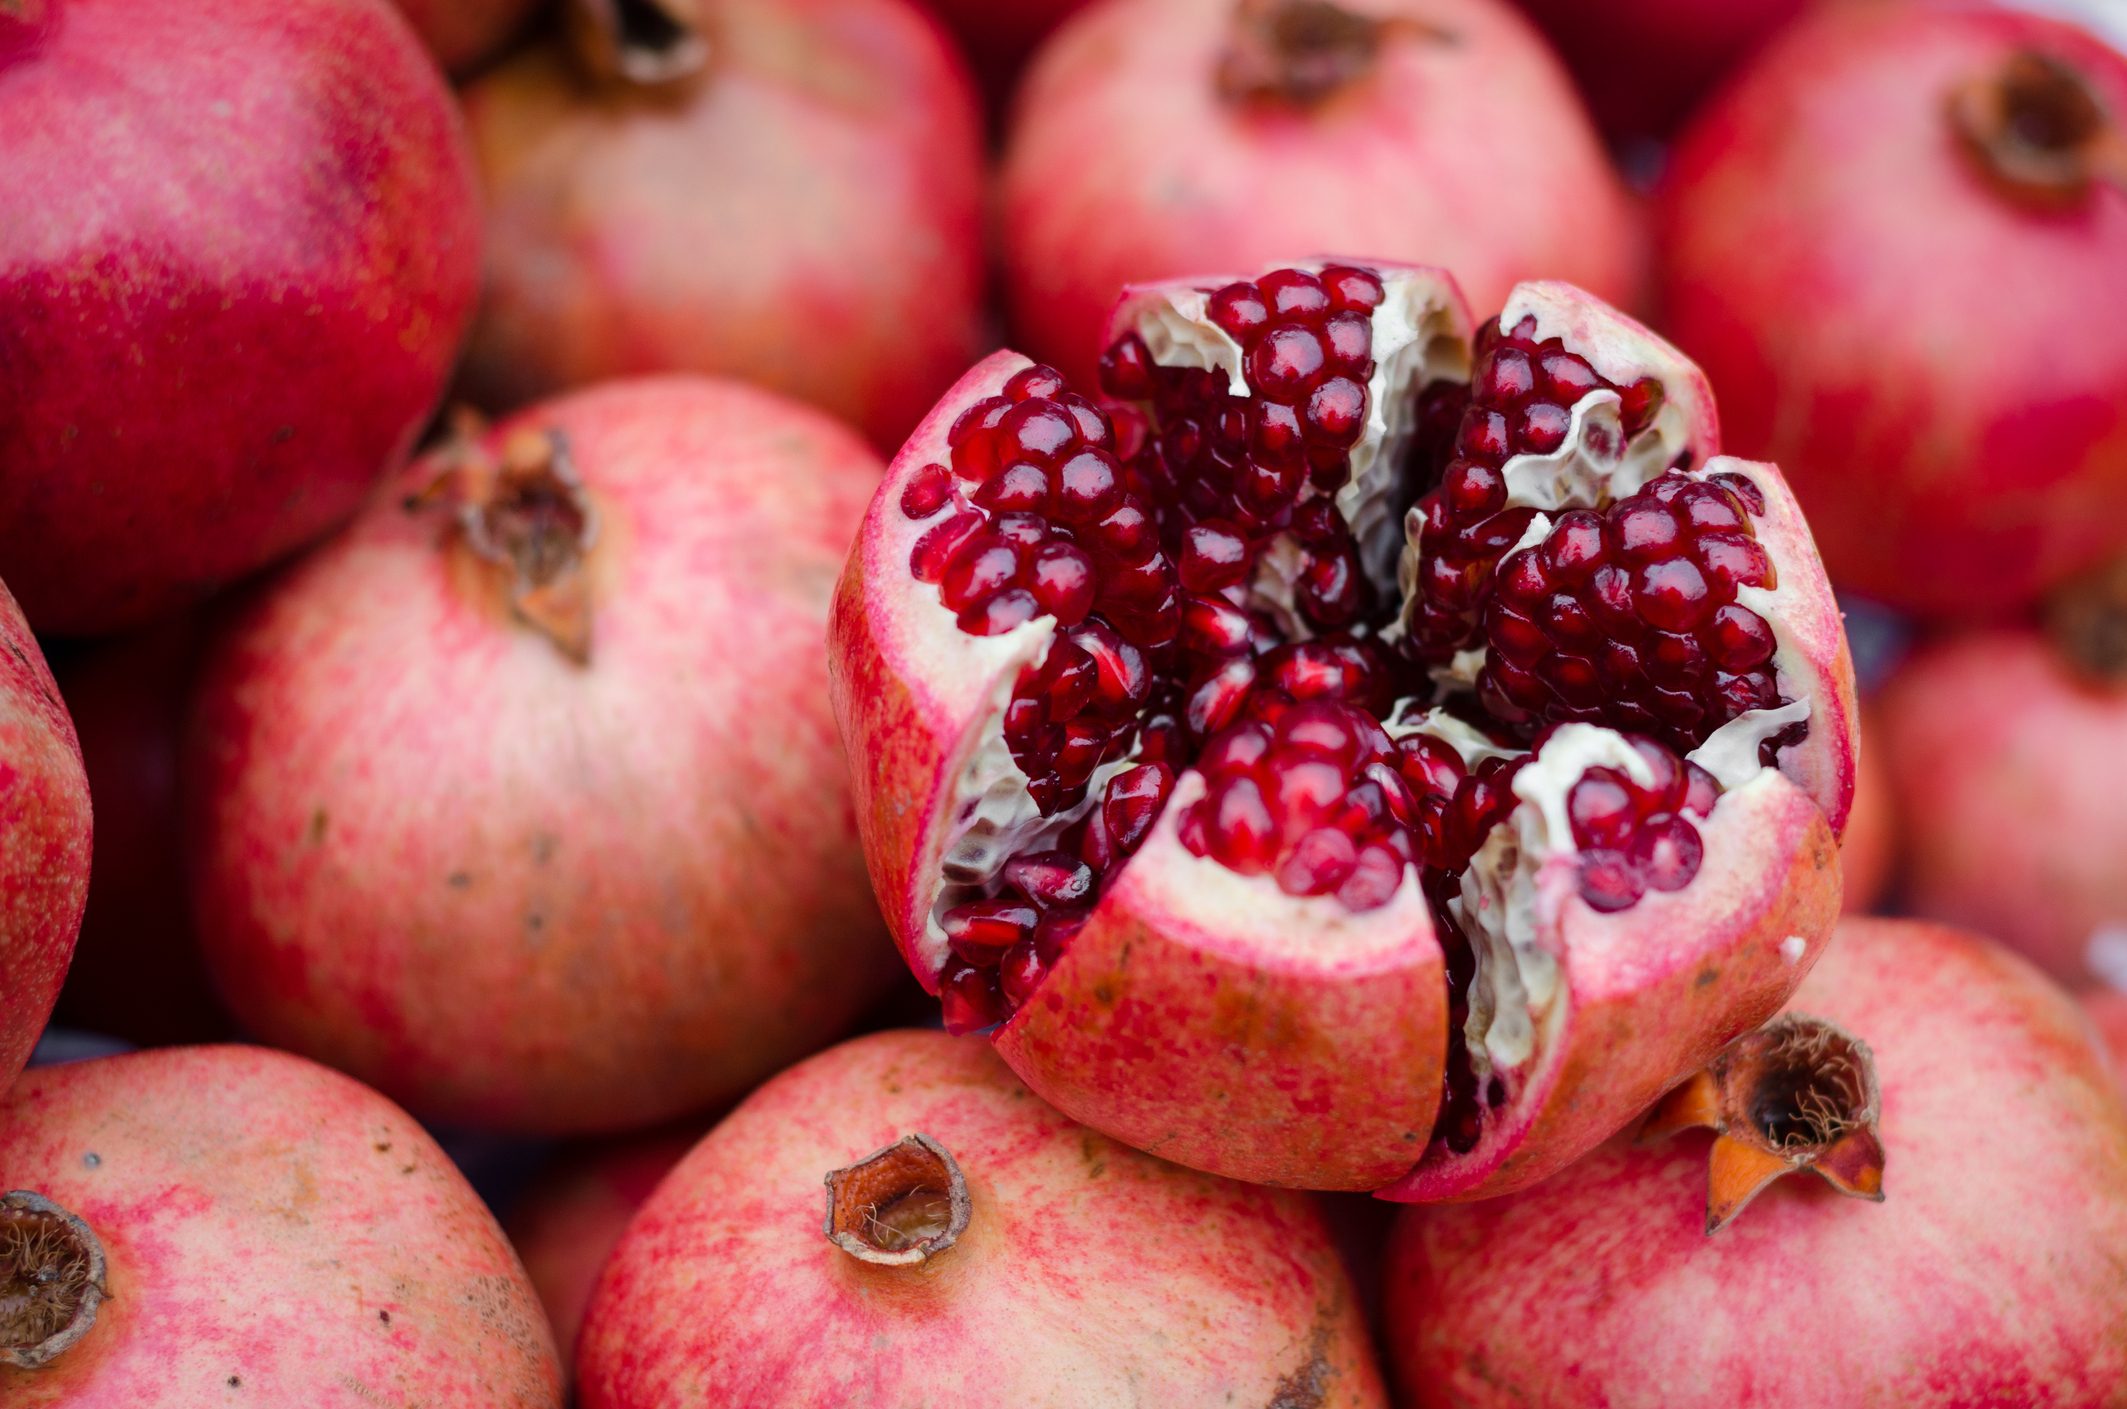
[
  {"x": 2108, "y": 1009},
  {"x": 517, "y": 892},
  {"x": 1124, "y": 164},
  {"x": 1915, "y": 349},
  {"x": 1089, "y": 1275},
  {"x": 44, "y": 840},
  {"x": 1999, "y": 760},
  {"x": 275, "y": 1234},
  {"x": 460, "y": 33},
  {"x": 568, "y": 1222},
  {"x": 805, "y": 214},
  {"x": 1994, "y": 1273},
  {"x": 1868, "y": 852},
  {"x": 243, "y": 242},
  {"x": 137, "y": 971}
]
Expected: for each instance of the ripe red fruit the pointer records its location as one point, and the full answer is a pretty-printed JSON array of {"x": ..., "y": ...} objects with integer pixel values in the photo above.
[
  {"x": 527, "y": 806},
  {"x": 137, "y": 972},
  {"x": 2108, "y": 1009},
  {"x": 460, "y": 33},
  {"x": 980, "y": 1249},
  {"x": 1319, "y": 836},
  {"x": 227, "y": 1224},
  {"x": 44, "y": 840},
  {"x": 1602, "y": 1287},
  {"x": 243, "y": 241},
  {"x": 803, "y": 213},
  {"x": 1155, "y": 138},
  {"x": 569, "y": 1221},
  {"x": 2000, "y": 751},
  {"x": 1879, "y": 241}
]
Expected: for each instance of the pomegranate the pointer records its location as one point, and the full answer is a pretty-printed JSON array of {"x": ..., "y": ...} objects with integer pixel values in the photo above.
[
  {"x": 2108, "y": 1009},
  {"x": 1999, "y": 751},
  {"x": 461, "y": 33},
  {"x": 804, "y": 212},
  {"x": 1644, "y": 64},
  {"x": 1882, "y": 185},
  {"x": 569, "y": 1221},
  {"x": 137, "y": 971},
  {"x": 213, "y": 1225},
  {"x": 1156, "y": 138},
  {"x": 978, "y": 1249},
  {"x": 44, "y": 840},
  {"x": 1272, "y": 869},
  {"x": 1868, "y": 853},
  {"x": 243, "y": 243},
  {"x": 522, "y": 800},
  {"x": 1600, "y": 1288}
]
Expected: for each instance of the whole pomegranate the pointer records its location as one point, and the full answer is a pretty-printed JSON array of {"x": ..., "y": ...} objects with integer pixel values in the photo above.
[
  {"x": 1993, "y": 1272},
  {"x": 568, "y": 1222},
  {"x": 803, "y": 212},
  {"x": 1878, "y": 241},
  {"x": 213, "y": 1225},
  {"x": 521, "y": 800},
  {"x": 460, "y": 33},
  {"x": 1999, "y": 750},
  {"x": 2108, "y": 1009},
  {"x": 1372, "y": 754},
  {"x": 1868, "y": 853},
  {"x": 137, "y": 971},
  {"x": 979, "y": 1248},
  {"x": 1155, "y": 138},
  {"x": 1643, "y": 64},
  {"x": 243, "y": 241},
  {"x": 44, "y": 841}
]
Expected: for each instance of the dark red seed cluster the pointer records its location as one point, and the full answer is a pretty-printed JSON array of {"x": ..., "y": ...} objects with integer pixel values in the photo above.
[
  {"x": 1520, "y": 402},
  {"x": 1634, "y": 839},
  {"x": 1628, "y": 617}
]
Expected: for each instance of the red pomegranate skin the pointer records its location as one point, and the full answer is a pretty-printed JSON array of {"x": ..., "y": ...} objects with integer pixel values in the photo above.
[
  {"x": 243, "y": 243},
  {"x": 1891, "y": 329},
  {"x": 460, "y": 33},
  {"x": 275, "y": 1234},
  {"x": 137, "y": 971},
  {"x": 1125, "y": 164},
  {"x": 44, "y": 840},
  {"x": 1868, "y": 850},
  {"x": 568, "y": 1222},
  {"x": 805, "y": 214},
  {"x": 1601, "y": 1287},
  {"x": 2108, "y": 1009},
  {"x": 1089, "y": 1274},
  {"x": 519, "y": 892},
  {"x": 2002, "y": 763}
]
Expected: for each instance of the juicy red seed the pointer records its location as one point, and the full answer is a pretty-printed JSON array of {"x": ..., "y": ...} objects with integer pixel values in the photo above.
[
  {"x": 1564, "y": 378},
  {"x": 1601, "y": 808},
  {"x": 1643, "y": 530},
  {"x": 1473, "y": 489},
  {"x": 1122, "y": 679},
  {"x": 980, "y": 930},
  {"x": 1294, "y": 294},
  {"x": 1128, "y": 534},
  {"x": 1641, "y": 403},
  {"x": 1734, "y": 560},
  {"x": 1133, "y": 803},
  {"x": 983, "y": 566},
  {"x": 926, "y": 492},
  {"x": 1032, "y": 382},
  {"x": 1574, "y": 547},
  {"x": 1050, "y": 878},
  {"x": 1285, "y": 362},
  {"x": 1673, "y": 595},
  {"x": 1088, "y": 487},
  {"x": 1744, "y": 488},
  {"x": 1351, "y": 341},
  {"x": 1239, "y": 310},
  {"x": 1668, "y": 853},
  {"x": 1126, "y": 369},
  {"x": 1094, "y": 427},
  {"x": 1062, "y": 581},
  {"x": 983, "y": 415},
  {"x": 1352, "y": 288},
  {"x": 1237, "y": 826},
  {"x": 1039, "y": 429},
  {"x": 940, "y": 543},
  {"x": 1021, "y": 530},
  {"x": 969, "y": 999},
  {"x": 1007, "y": 611},
  {"x": 1609, "y": 882},
  {"x": 1214, "y": 555},
  {"x": 1022, "y": 488},
  {"x": 1540, "y": 427},
  {"x": 1503, "y": 377},
  {"x": 1336, "y": 411},
  {"x": 1213, "y": 626},
  {"x": 1484, "y": 436},
  {"x": 1219, "y": 695},
  {"x": 1738, "y": 639},
  {"x": 1319, "y": 863}
]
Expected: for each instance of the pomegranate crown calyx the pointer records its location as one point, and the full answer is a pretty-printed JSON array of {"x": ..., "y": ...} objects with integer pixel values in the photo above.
[
  {"x": 644, "y": 43},
  {"x": 51, "y": 1280},
  {"x": 899, "y": 1206},
  {"x": 2038, "y": 130},
  {"x": 1799, "y": 1093},
  {"x": 1302, "y": 53}
]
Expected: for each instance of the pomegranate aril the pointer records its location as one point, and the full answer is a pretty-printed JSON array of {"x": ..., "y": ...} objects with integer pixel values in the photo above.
[
  {"x": 1088, "y": 487},
  {"x": 1484, "y": 437},
  {"x": 1319, "y": 863},
  {"x": 1035, "y": 381},
  {"x": 1007, "y": 611},
  {"x": 1020, "y": 972},
  {"x": 1733, "y": 560},
  {"x": 1641, "y": 403},
  {"x": 1050, "y": 878},
  {"x": 1238, "y": 828},
  {"x": 1643, "y": 530},
  {"x": 1285, "y": 362},
  {"x": 1217, "y": 697},
  {"x": 1133, "y": 804},
  {"x": 1127, "y": 535},
  {"x": 1743, "y": 487},
  {"x": 1564, "y": 378},
  {"x": 1540, "y": 428},
  {"x": 1336, "y": 411},
  {"x": 1673, "y": 595},
  {"x": 1094, "y": 427},
  {"x": 1738, "y": 639},
  {"x": 1503, "y": 377},
  {"x": 940, "y": 542},
  {"x": 926, "y": 492},
  {"x": 1238, "y": 310},
  {"x": 1351, "y": 342},
  {"x": 1294, "y": 294},
  {"x": 1213, "y": 555},
  {"x": 1667, "y": 852},
  {"x": 1601, "y": 808},
  {"x": 1609, "y": 882},
  {"x": 983, "y": 567},
  {"x": 980, "y": 930},
  {"x": 969, "y": 999},
  {"x": 1061, "y": 578},
  {"x": 1213, "y": 626},
  {"x": 1038, "y": 430}
]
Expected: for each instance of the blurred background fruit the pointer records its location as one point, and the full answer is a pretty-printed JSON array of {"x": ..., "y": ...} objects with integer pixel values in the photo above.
[
  {"x": 803, "y": 212},
  {"x": 274, "y": 1233},
  {"x": 525, "y": 804},
  {"x": 460, "y": 33},
  {"x": 2108, "y": 1009},
  {"x": 44, "y": 840},
  {"x": 1601, "y": 1287},
  {"x": 137, "y": 971},
  {"x": 1067, "y": 1269},
  {"x": 1887, "y": 242},
  {"x": 242, "y": 241},
  {"x": 1157, "y": 138},
  {"x": 999, "y": 38}
]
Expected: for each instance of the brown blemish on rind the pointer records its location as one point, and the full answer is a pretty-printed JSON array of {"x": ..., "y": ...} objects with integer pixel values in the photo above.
[
  {"x": 899, "y": 1206},
  {"x": 51, "y": 1280},
  {"x": 1308, "y": 1386}
]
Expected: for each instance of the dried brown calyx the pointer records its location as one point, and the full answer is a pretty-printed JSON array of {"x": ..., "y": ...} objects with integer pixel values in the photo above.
[
  {"x": 1799, "y": 1093},
  {"x": 2087, "y": 619},
  {"x": 646, "y": 42},
  {"x": 1301, "y": 53},
  {"x": 51, "y": 1280},
  {"x": 903, "y": 1205},
  {"x": 2040, "y": 131},
  {"x": 525, "y": 513}
]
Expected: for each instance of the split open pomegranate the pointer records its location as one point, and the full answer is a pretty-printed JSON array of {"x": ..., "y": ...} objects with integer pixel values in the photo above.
[{"x": 1346, "y": 749}]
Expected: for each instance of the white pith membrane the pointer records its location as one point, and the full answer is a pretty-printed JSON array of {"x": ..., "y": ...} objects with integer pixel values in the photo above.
[{"x": 1514, "y": 999}]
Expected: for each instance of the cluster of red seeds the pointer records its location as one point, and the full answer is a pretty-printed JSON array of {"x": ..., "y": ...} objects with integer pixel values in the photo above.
[
  {"x": 1520, "y": 402},
  {"x": 1629, "y": 617},
  {"x": 1634, "y": 839}
]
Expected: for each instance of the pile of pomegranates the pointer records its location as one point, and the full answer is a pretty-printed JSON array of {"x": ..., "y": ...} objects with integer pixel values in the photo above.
[{"x": 1358, "y": 750}]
